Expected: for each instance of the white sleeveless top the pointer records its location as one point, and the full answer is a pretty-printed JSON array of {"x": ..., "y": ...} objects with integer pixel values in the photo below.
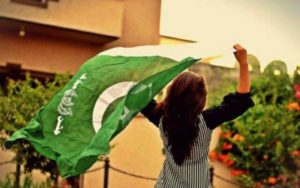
[{"x": 194, "y": 171}]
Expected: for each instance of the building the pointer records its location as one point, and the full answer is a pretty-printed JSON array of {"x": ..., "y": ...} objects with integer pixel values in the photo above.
[{"x": 58, "y": 35}]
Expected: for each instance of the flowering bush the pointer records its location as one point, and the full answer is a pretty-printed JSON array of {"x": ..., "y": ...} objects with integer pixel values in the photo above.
[{"x": 263, "y": 146}]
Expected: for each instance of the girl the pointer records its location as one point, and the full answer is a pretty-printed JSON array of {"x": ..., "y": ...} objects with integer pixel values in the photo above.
[{"x": 186, "y": 128}]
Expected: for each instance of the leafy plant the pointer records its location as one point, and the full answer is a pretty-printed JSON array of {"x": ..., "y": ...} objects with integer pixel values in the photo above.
[
  {"x": 8, "y": 182},
  {"x": 19, "y": 101},
  {"x": 263, "y": 146}
]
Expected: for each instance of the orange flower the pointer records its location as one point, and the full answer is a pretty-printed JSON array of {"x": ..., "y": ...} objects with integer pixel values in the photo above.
[
  {"x": 238, "y": 138},
  {"x": 213, "y": 155},
  {"x": 294, "y": 106},
  {"x": 237, "y": 172},
  {"x": 272, "y": 180},
  {"x": 295, "y": 153},
  {"x": 226, "y": 146},
  {"x": 226, "y": 134}
]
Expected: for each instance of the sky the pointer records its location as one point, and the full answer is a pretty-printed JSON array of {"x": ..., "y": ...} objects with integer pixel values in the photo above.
[{"x": 269, "y": 29}]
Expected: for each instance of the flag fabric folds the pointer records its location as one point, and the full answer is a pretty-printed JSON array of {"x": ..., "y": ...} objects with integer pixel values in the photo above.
[{"x": 76, "y": 126}]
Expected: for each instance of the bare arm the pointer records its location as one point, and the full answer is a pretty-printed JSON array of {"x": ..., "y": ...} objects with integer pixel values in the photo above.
[
  {"x": 244, "y": 80},
  {"x": 234, "y": 104}
]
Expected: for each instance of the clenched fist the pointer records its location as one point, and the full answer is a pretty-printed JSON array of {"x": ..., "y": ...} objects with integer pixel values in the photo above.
[{"x": 240, "y": 54}]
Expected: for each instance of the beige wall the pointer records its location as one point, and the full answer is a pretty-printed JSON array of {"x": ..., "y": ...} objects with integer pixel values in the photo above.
[
  {"x": 44, "y": 53},
  {"x": 135, "y": 21},
  {"x": 97, "y": 16},
  {"x": 141, "y": 23}
]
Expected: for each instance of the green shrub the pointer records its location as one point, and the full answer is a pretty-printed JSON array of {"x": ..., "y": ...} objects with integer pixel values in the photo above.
[
  {"x": 19, "y": 101},
  {"x": 263, "y": 146}
]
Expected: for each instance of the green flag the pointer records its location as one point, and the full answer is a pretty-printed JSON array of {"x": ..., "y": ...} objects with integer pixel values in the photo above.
[{"x": 76, "y": 126}]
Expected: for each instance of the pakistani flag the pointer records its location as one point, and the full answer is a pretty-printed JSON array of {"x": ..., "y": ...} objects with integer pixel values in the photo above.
[{"x": 76, "y": 126}]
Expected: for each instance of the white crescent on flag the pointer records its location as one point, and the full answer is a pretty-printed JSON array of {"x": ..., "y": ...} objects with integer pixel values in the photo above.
[{"x": 106, "y": 98}]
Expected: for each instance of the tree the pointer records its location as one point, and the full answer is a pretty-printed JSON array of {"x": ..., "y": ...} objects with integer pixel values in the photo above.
[{"x": 19, "y": 101}]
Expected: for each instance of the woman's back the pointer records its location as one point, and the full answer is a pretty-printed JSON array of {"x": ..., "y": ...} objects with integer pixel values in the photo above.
[{"x": 194, "y": 171}]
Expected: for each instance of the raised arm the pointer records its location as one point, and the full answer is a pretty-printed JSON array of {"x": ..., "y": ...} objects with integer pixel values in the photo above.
[
  {"x": 234, "y": 104},
  {"x": 244, "y": 80}
]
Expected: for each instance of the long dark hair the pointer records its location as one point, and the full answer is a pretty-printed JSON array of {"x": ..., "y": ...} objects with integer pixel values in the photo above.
[{"x": 186, "y": 98}]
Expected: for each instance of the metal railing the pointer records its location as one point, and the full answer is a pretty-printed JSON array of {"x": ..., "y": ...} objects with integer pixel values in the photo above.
[{"x": 108, "y": 166}]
